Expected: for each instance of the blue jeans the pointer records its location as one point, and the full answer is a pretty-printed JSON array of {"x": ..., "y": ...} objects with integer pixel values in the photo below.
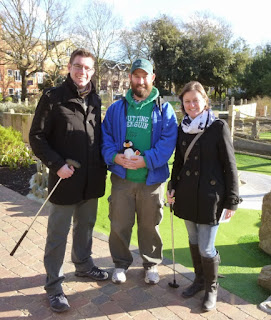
[{"x": 204, "y": 236}]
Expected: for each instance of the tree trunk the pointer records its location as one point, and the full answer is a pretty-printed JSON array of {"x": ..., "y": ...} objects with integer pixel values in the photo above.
[{"x": 24, "y": 84}]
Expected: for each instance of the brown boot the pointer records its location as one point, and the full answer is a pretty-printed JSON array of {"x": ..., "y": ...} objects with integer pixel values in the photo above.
[
  {"x": 210, "y": 271},
  {"x": 198, "y": 283}
]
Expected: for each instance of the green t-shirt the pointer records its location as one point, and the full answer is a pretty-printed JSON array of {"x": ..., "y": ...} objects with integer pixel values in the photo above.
[{"x": 139, "y": 129}]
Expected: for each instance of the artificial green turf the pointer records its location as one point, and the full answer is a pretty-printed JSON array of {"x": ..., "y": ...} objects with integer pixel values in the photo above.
[
  {"x": 253, "y": 164},
  {"x": 265, "y": 135},
  {"x": 237, "y": 241}
]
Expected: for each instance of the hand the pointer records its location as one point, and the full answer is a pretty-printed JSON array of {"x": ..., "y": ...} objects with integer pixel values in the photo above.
[
  {"x": 121, "y": 160},
  {"x": 229, "y": 214},
  {"x": 134, "y": 163},
  {"x": 138, "y": 162},
  {"x": 65, "y": 171},
  {"x": 170, "y": 196}
]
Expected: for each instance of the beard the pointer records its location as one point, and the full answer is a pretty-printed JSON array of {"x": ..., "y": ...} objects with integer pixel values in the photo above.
[{"x": 141, "y": 91}]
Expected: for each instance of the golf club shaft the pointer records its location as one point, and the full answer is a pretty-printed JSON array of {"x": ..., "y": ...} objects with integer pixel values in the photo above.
[
  {"x": 172, "y": 239},
  {"x": 34, "y": 219}
]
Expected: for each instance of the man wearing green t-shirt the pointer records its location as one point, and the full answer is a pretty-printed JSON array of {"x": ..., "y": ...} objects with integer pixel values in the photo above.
[{"x": 138, "y": 180}]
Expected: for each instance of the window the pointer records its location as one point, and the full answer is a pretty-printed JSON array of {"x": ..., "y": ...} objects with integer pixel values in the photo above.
[
  {"x": 39, "y": 77},
  {"x": 68, "y": 52},
  {"x": 116, "y": 84},
  {"x": 10, "y": 72},
  {"x": 17, "y": 75},
  {"x": 18, "y": 93},
  {"x": 11, "y": 91},
  {"x": 104, "y": 85},
  {"x": 30, "y": 82}
]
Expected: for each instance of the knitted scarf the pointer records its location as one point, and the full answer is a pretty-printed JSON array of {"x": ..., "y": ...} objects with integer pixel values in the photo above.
[{"x": 198, "y": 124}]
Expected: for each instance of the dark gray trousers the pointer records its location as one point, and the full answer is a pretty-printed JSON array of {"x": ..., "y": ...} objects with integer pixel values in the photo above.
[{"x": 84, "y": 216}]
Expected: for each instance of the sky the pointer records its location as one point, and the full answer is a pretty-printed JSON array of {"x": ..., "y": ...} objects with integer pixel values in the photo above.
[{"x": 248, "y": 20}]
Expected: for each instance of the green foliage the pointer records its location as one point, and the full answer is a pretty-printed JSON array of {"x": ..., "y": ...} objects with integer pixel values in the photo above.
[
  {"x": 13, "y": 152},
  {"x": 202, "y": 49},
  {"x": 1, "y": 97},
  {"x": 165, "y": 52},
  {"x": 257, "y": 77}
]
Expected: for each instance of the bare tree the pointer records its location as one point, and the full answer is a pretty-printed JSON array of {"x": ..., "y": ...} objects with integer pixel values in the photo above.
[
  {"x": 27, "y": 29},
  {"x": 58, "y": 57},
  {"x": 137, "y": 42},
  {"x": 99, "y": 28},
  {"x": 5, "y": 81}
]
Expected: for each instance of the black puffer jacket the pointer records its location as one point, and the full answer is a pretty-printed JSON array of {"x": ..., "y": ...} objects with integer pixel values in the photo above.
[
  {"x": 61, "y": 130},
  {"x": 208, "y": 182}
]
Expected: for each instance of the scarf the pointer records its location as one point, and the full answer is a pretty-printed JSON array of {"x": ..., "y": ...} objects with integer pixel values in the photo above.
[
  {"x": 199, "y": 124},
  {"x": 85, "y": 91}
]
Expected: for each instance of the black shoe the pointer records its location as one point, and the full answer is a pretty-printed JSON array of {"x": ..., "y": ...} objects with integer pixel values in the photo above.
[
  {"x": 59, "y": 302},
  {"x": 95, "y": 273}
]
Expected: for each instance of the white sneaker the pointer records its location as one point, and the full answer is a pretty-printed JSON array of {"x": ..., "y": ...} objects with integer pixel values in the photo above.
[
  {"x": 151, "y": 275},
  {"x": 119, "y": 275}
]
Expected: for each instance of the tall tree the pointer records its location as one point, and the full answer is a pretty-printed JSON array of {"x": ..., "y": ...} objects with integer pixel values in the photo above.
[
  {"x": 216, "y": 59},
  {"x": 165, "y": 52},
  {"x": 27, "y": 29},
  {"x": 99, "y": 29},
  {"x": 257, "y": 77},
  {"x": 137, "y": 43}
]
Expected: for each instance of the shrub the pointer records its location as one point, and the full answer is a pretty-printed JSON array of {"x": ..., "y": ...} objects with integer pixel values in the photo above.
[
  {"x": 13, "y": 151},
  {"x": 18, "y": 107}
]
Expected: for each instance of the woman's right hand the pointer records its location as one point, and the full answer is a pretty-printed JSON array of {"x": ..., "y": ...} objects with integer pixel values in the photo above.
[{"x": 170, "y": 196}]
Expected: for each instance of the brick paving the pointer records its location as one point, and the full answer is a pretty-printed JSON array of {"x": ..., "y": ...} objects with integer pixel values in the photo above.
[{"x": 22, "y": 278}]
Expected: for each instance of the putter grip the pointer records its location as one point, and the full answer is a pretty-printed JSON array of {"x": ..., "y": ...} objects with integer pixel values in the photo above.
[{"x": 18, "y": 243}]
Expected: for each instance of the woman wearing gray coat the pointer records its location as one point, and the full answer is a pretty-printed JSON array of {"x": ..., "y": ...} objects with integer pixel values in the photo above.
[{"x": 203, "y": 185}]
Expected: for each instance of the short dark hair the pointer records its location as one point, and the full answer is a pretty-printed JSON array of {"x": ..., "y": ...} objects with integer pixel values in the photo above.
[
  {"x": 197, "y": 86},
  {"x": 81, "y": 52}
]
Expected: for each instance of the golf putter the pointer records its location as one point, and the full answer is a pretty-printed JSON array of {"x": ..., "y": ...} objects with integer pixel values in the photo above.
[
  {"x": 69, "y": 162},
  {"x": 172, "y": 284}
]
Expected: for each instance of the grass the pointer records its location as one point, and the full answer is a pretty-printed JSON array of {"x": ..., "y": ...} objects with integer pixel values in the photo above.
[
  {"x": 265, "y": 135},
  {"x": 236, "y": 241},
  {"x": 253, "y": 164}
]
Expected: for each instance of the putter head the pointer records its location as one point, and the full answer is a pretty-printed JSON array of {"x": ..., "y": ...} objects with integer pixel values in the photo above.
[
  {"x": 73, "y": 163},
  {"x": 173, "y": 284}
]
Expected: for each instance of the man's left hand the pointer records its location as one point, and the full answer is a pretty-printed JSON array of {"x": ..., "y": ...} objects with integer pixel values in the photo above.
[{"x": 137, "y": 162}]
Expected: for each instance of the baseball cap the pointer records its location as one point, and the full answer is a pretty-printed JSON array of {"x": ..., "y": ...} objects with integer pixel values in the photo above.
[{"x": 142, "y": 64}]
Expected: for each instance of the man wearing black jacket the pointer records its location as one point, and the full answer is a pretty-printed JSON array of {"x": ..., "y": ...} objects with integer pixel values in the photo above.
[{"x": 67, "y": 125}]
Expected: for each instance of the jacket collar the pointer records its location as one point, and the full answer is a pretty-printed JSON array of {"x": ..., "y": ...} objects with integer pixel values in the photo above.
[{"x": 71, "y": 91}]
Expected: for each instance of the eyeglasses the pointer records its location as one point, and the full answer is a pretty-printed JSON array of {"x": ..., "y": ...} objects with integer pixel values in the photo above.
[{"x": 80, "y": 67}]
